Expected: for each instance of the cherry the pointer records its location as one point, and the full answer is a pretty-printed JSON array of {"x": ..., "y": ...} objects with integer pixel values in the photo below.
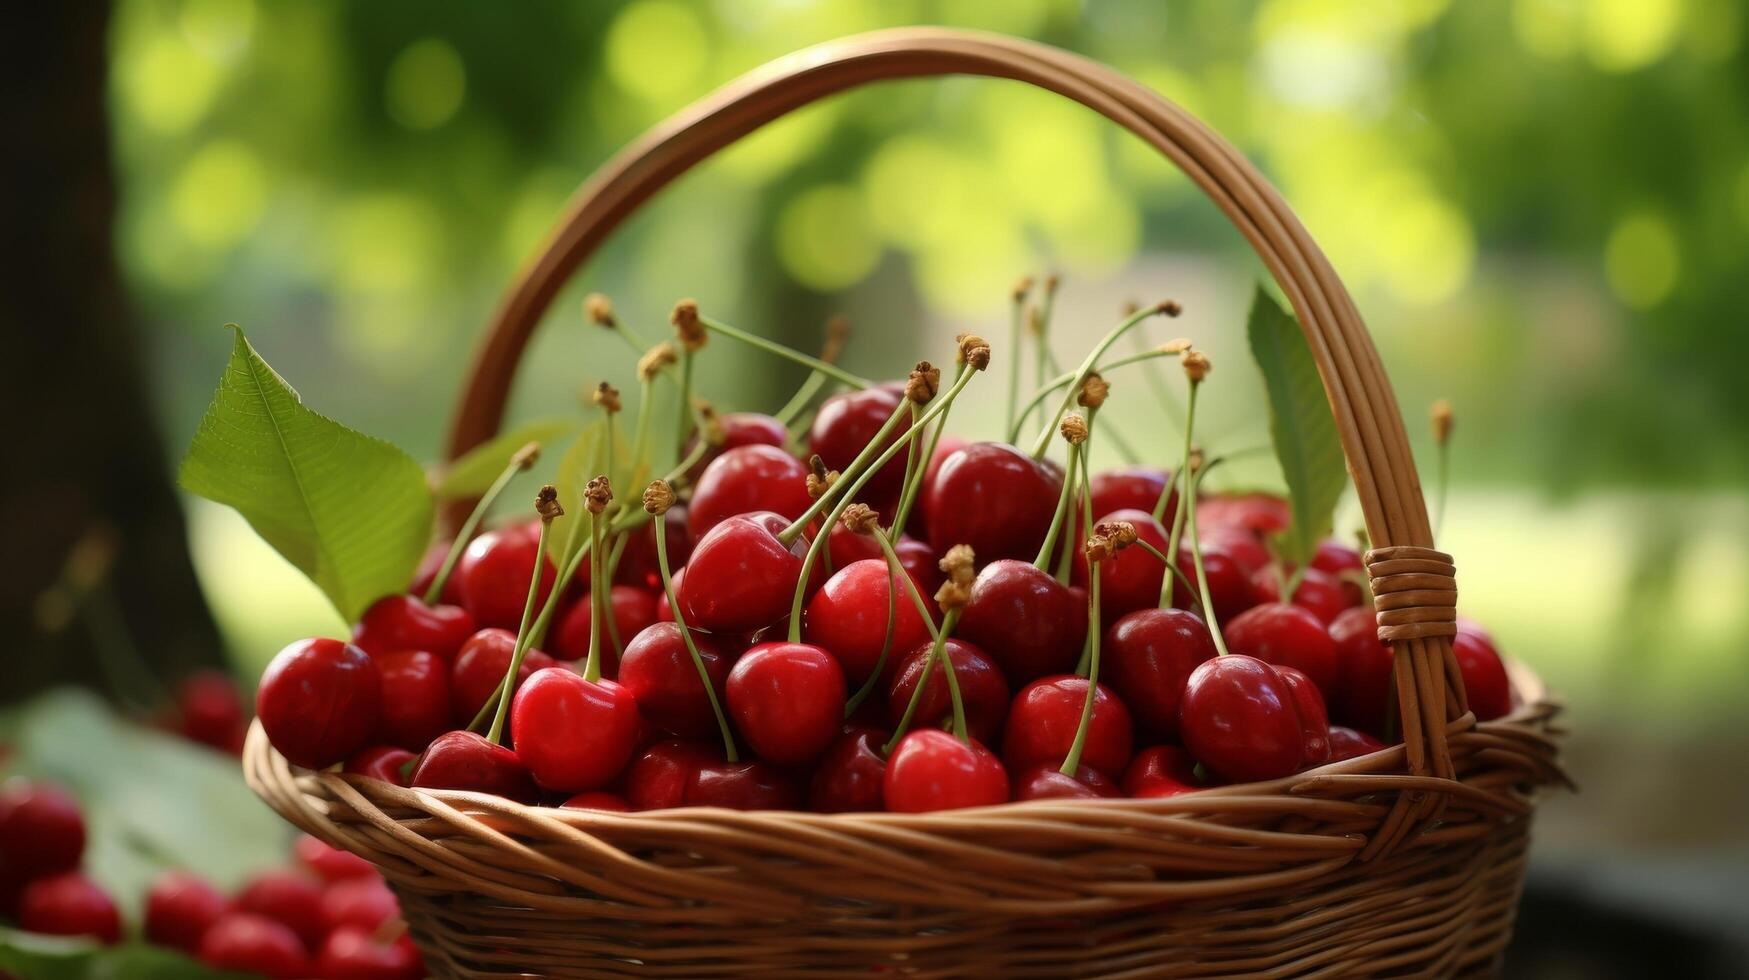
[
  {"x": 1364, "y": 671},
  {"x": 364, "y": 903},
  {"x": 1288, "y": 636},
  {"x": 1031, "y": 624},
  {"x": 1260, "y": 513},
  {"x": 480, "y": 668},
  {"x": 389, "y": 763},
  {"x": 319, "y": 701},
  {"x": 210, "y": 711},
  {"x": 847, "y": 422},
  {"x": 637, "y": 565},
  {"x": 495, "y": 570},
  {"x": 848, "y": 617},
  {"x": 41, "y": 830},
  {"x": 288, "y": 898},
  {"x": 1046, "y": 782},
  {"x": 659, "y": 776},
  {"x": 597, "y": 800},
  {"x": 993, "y": 497},
  {"x": 352, "y": 953},
  {"x": 745, "y": 480},
  {"x": 1132, "y": 488},
  {"x": 1229, "y": 586},
  {"x": 69, "y": 904},
  {"x": 404, "y": 622},
  {"x": 633, "y": 609},
  {"x": 932, "y": 770},
  {"x": 849, "y": 776},
  {"x": 1344, "y": 564},
  {"x": 1045, "y": 715},
  {"x": 1347, "y": 743},
  {"x": 744, "y": 785},
  {"x": 846, "y": 547},
  {"x": 659, "y": 672},
  {"x": 1320, "y": 593},
  {"x": 1149, "y": 655},
  {"x": 1485, "y": 682},
  {"x": 742, "y": 576},
  {"x": 983, "y": 690},
  {"x": 573, "y": 734},
  {"x": 787, "y": 700},
  {"x": 738, "y": 429},
  {"x": 180, "y": 907},
  {"x": 1130, "y": 579},
  {"x": 1244, "y": 547},
  {"x": 467, "y": 761},
  {"x": 1240, "y": 719},
  {"x": 946, "y": 446},
  {"x": 331, "y": 864},
  {"x": 416, "y": 703},
  {"x": 1314, "y": 720},
  {"x": 1160, "y": 771},
  {"x": 255, "y": 944}
]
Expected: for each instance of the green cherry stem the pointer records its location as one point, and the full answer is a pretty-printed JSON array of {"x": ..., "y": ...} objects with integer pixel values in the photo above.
[
  {"x": 520, "y": 460},
  {"x": 914, "y": 486},
  {"x": 1090, "y": 649},
  {"x": 686, "y": 635},
  {"x": 1057, "y": 383},
  {"x": 1202, "y": 579},
  {"x": 1060, "y": 515},
  {"x": 1072, "y": 761},
  {"x": 895, "y": 570},
  {"x": 1042, "y": 359},
  {"x": 1160, "y": 556},
  {"x": 912, "y": 464},
  {"x": 859, "y": 470},
  {"x": 683, "y": 405},
  {"x": 547, "y": 503},
  {"x": 937, "y": 653},
  {"x": 1442, "y": 424},
  {"x": 771, "y": 347},
  {"x": 1016, "y": 319},
  {"x": 597, "y": 590},
  {"x": 1044, "y": 438}
]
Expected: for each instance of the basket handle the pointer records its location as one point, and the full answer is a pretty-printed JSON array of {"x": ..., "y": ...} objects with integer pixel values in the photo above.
[{"x": 1413, "y": 583}]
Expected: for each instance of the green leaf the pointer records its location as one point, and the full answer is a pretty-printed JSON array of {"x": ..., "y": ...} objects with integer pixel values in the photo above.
[
  {"x": 25, "y": 954},
  {"x": 580, "y": 463},
  {"x": 470, "y": 475},
  {"x": 1300, "y": 425},
  {"x": 352, "y": 512}
]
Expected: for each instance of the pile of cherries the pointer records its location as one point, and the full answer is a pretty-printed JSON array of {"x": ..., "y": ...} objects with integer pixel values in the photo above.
[
  {"x": 868, "y": 614},
  {"x": 330, "y": 915}
]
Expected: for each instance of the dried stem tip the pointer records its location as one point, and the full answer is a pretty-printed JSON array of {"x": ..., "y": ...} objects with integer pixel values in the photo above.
[
  {"x": 546, "y": 504},
  {"x": 861, "y": 519},
  {"x": 820, "y": 479},
  {"x": 654, "y": 360},
  {"x": 1176, "y": 345},
  {"x": 607, "y": 397},
  {"x": 974, "y": 350},
  {"x": 686, "y": 325},
  {"x": 1035, "y": 321},
  {"x": 658, "y": 497},
  {"x": 1169, "y": 307},
  {"x": 1074, "y": 429},
  {"x": 710, "y": 426},
  {"x": 925, "y": 382},
  {"x": 599, "y": 309},
  {"x": 1109, "y": 538},
  {"x": 1051, "y": 283},
  {"x": 597, "y": 495},
  {"x": 837, "y": 335},
  {"x": 526, "y": 457},
  {"x": 1094, "y": 391},
  {"x": 1195, "y": 459},
  {"x": 1129, "y": 308},
  {"x": 1196, "y": 365},
  {"x": 953, "y": 595},
  {"x": 1022, "y": 286},
  {"x": 1442, "y": 421},
  {"x": 960, "y": 564}
]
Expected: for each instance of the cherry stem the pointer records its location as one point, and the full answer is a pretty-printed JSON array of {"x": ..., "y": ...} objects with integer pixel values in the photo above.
[
  {"x": 858, "y": 470},
  {"x": 1202, "y": 579},
  {"x": 1043, "y": 441},
  {"x": 597, "y": 607},
  {"x": 683, "y": 407},
  {"x": 914, "y": 483},
  {"x": 1016, "y": 316},
  {"x": 641, "y": 431},
  {"x": 466, "y": 532},
  {"x": 938, "y": 651},
  {"x": 1443, "y": 479},
  {"x": 1066, "y": 377},
  {"x": 1059, "y": 515},
  {"x": 1171, "y": 569},
  {"x": 1072, "y": 761},
  {"x": 771, "y": 347},
  {"x": 1157, "y": 382},
  {"x": 1043, "y": 361},
  {"x": 799, "y": 402},
  {"x": 704, "y": 676},
  {"x": 1181, "y": 480},
  {"x": 895, "y": 570},
  {"x": 912, "y": 450},
  {"x": 522, "y": 633},
  {"x": 1090, "y": 648}
]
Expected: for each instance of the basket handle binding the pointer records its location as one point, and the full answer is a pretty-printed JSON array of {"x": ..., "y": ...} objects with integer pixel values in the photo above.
[{"x": 1413, "y": 584}]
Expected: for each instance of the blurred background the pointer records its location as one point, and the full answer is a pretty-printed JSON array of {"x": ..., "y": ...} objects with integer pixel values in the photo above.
[{"x": 1541, "y": 206}]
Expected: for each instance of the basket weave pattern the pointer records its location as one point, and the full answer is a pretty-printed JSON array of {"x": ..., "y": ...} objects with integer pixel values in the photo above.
[{"x": 1405, "y": 861}]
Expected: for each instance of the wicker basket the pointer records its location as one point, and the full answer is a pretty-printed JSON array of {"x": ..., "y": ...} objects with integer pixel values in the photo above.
[{"x": 1407, "y": 861}]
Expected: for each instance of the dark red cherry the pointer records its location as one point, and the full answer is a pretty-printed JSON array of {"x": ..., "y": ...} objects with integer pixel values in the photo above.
[
  {"x": 480, "y": 668},
  {"x": 993, "y": 497},
  {"x": 1314, "y": 719},
  {"x": 739, "y": 429},
  {"x": 210, "y": 711},
  {"x": 289, "y": 898},
  {"x": 1132, "y": 488},
  {"x": 1318, "y": 592},
  {"x": 319, "y": 701},
  {"x": 787, "y": 700},
  {"x": 1239, "y": 718},
  {"x": 330, "y": 863},
  {"x": 741, "y": 577},
  {"x": 848, "y": 618},
  {"x": 659, "y": 672},
  {"x": 42, "y": 831},
  {"x": 1345, "y": 565},
  {"x": 389, "y": 763},
  {"x": 660, "y": 775},
  {"x": 1148, "y": 656},
  {"x": 751, "y": 784},
  {"x": 638, "y": 565},
  {"x": 1047, "y": 782},
  {"x": 416, "y": 704},
  {"x": 597, "y": 800},
  {"x": 69, "y": 904},
  {"x": 1244, "y": 547},
  {"x": 983, "y": 689},
  {"x": 180, "y": 907},
  {"x": 352, "y": 953},
  {"x": 1045, "y": 715},
  {"x": 1130, "y": 579},
  {"x": 495, "y": 571},
  {"x": 746, "y": 480},
  {"x": 633, "y": 609},
  {"x": 467, "y": 761},
  {"x": 848, "y": 777},
  {"x": 1229, "y": 586},
  {"x": 946, "y": 446},
  {"x": 573, "y": 734},
  {"x": 404, "y": 622},
  {"x": 364, "y": 903},
  {"x": 665, "y": 612},
  {"x": 1290, "y": 636},
  {"x": 1262, "y": 514},
  {"x": 846, "y": 547},
  {"x": 1485, "y": 682},
  {"x": 1364, "y": 671},
  {"x": 1160, "y": 771},
  {"x": 1347, "y": 743},
  {"x": 254, "y": 944},
  {"x": 932, "y": 770},
  {"x": 1028, "y": 622},
  {"x": 847, "y": 422}
]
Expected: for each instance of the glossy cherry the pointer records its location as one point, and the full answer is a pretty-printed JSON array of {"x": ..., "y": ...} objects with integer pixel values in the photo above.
[
  {"x": 739, "y": 429},
  {"x": 210, "y": 711},
  {"x": 745, "y": 480},
  {"x": 1229, "y": 586},
  {"x": 1045, "y": 715},
  {"x": 319, "y": 701},
  {"x": 659, "y": 672},
  {"x": 1130, "y": 579},
  {"x": 1244, "y": 547},
  {"x": 1160, "y": 771},
  {"x": 69, "y": 904},
  {"x": 1290, "y": 636},
  {"x": 946, "y": 446},
  {"x": 637, "y": 565},
  {"x": 993, "y": 497},
  {"x": 572, "y": 733},
  {"x": 847, "y": 617},
  {"x": 42, "y": 831},
  {"x": 255, "y": 944},
  {"x": 416, "y": 704},
  {"x": 468, "y": 761},
  {"x": 1048, "y": 782},
  {"x": 1240, "y": 719},
  {"x": 659, "y": 776},
  {"x": 597, "y": 800},
  {"x": 290, "y": 898},
  {"x": 845, "y": 547},
  {"x": 352, "y": 953},
  {"x": 751, "y": 784},
  {"x": 404, "y": 622},
  {"x": 1485, "y": 682},
  {"x": 847, "y": 422},
  {"x": 787, "y": 700},
  {"x": 330, "y": 863},
  {"x": 1260, "y": 513},
  {"x": 429, "y": 565},
  {"x": 741, "y": 576},
  {"x": 364, "y": 903},
  {"x": 1028, "y": 622},
  {"x": 1314, "y": 718},
  {"x": 389, "y": 763},
  {"x": 633, "y": 609},
  {"x": 1148, "y": 657},
  {"x": 494, "y": 573},
  {"x": 1319, "y": 593},
  {"x": 1347, "y": 743},
  {"x": 1345, "y": 565},
  {"x": 480, "y": 668},
  {"x": 180, "y": 907},
  {"x": 932, "y": 770},
  {"x": 983, "y": 689},
  {"x": 1131, "y": 488},
  {"x": 1364, "y": 671},
  {"x": 848, "y": 777}
]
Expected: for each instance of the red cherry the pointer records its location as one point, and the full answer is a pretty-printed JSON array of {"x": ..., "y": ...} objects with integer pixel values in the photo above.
[
  {"x": 1031, "y": 624},
  {"x": 1346, "y": 743},
  {"x": 330, "y": 864},
  {"x": 1314, "y": 720},
  {"x": 319, "y": 701},
  {"x": 254, "y": 944},
  {"x": 467, "y": 761},
  {"x": 739, "y": 429},
  {"x": 1130, "y": 579},
  {"x": 1344, "y": 564},
  {"x": 1045, "y": 715},
  {"x": 573, "y": 734},
  {"x": 946, "y": 446},
  {"x": 597, "y": 800},
  {"x": 847, "y": 422},
  {"x": 389, "y": 763},
  {"x": 363, "y": 903},
  {"x": 983, "y": 690},
  {"x": 848, "y": 618},
  {"x": 1229, "y": 586},
  {"x": 659, "y": 776},
  {"x": 745, "y": 785},
  {"x": 1286, "y": 635},
  {"x": 1485, "y": 682},
  {"x": 41, "y": 830},
  {"x": 1364, "y": 673},
  {"x": 787, "y": 700},
  {"x": 416, "y": 703},
  {"x": 288, "y": 898},
  {"x": 1160, "y": 771},
  {"x": 932, "y": 770},
  {"x": 1260, "y": 513},
  {"x": 1047, "y": 782},
  {"x": 357, "y": 954},
  {"x": 848, "y": 777},
  {"x": 659, "y": 672},
  {"x": 1131, "y": 488},
  {"x": 1240, "y": 719},
  {"x": 404, "y": 622},
  {"x": 495, "y": 571},
  {"x": 741, "y": 577},
  {"x": 1318, "y": 593},
  {"x": 846, "y": 547},
  {"x": 480, "y": 668},
  {"x": 745, "y": 480},
  {"x": 633, "y": 609},
  {"x": 993, "y": 497},
  {"x": 69, "y": 904},
  {"x": 638, "y": 565},
  {"x": 1149, "y": 655},
  {"x": 1244, "y": 547},
  {"x": 210, "y": 711},
  {"x": 180, "y": 907}
]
